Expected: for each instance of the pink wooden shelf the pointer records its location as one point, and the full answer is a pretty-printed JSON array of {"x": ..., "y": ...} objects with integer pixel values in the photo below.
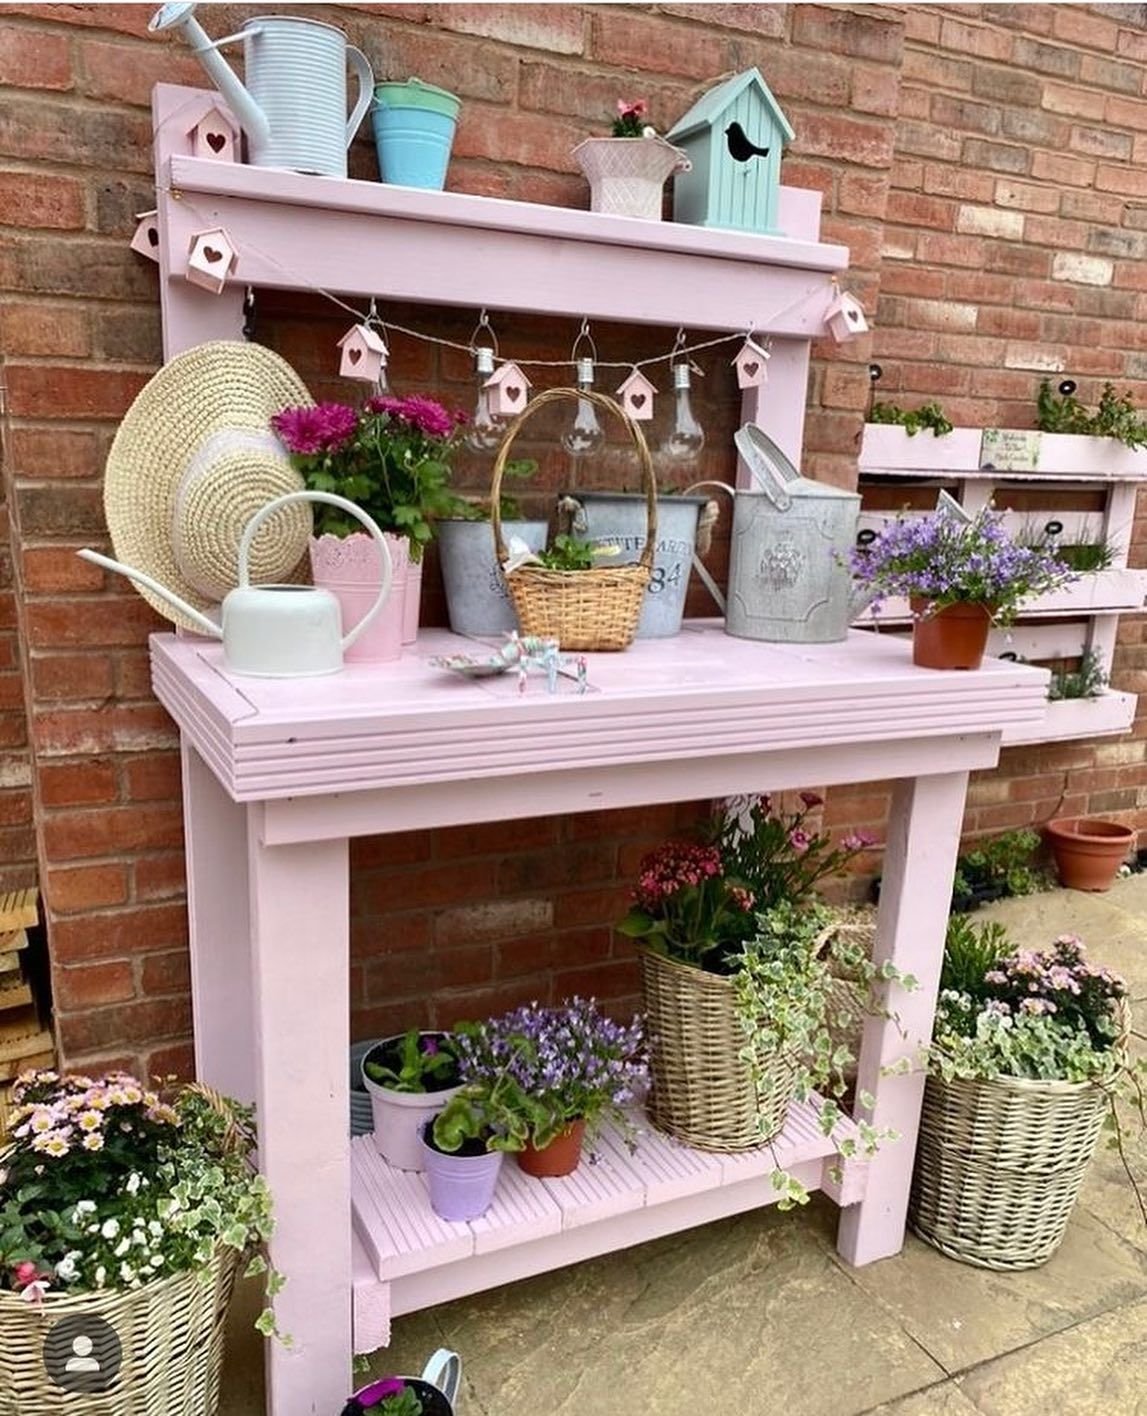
[
  {"x": 636, "y": 1194},
  {"x": 1108, "y": 715}
]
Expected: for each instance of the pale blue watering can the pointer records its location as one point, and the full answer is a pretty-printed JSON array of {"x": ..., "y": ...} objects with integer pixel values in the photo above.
[{"x": 293, "y": 108}]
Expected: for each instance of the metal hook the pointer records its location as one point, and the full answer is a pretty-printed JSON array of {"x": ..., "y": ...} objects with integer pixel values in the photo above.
[
  {"x": 583, "y": 333},
  {"x": 483, "y": 324}
]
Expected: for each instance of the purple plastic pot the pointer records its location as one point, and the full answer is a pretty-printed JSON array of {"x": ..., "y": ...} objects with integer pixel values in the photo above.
[{"x": 461, "y": 1186}]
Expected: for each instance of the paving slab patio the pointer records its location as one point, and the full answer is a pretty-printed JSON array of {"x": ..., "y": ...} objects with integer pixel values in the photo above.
[{"x": 757, "y": 1316}]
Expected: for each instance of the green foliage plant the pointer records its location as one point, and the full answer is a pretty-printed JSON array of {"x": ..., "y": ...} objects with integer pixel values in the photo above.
[
  {"x": 1115, "y": 415},
  {"x": 930, "y": 416},
  {"x": 1087, "y": 681},
  {"x": 1004, "y": 863},
  {"x": 520, "y": 469},
  {"x": 566, "y": 552},
  {"x": 414, "y": 1062}
]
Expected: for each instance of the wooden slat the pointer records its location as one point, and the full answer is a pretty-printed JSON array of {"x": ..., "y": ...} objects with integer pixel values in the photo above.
[
  {"x": 14, "y": 995},
  {"x": 19, "y": 909}
]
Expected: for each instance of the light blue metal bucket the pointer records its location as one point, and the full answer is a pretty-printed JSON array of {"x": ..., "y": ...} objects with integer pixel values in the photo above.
[
  {"x": 477, "y": 597},
  {"x": 618, "y": 519},
  {"x": 414, "y": 131}
]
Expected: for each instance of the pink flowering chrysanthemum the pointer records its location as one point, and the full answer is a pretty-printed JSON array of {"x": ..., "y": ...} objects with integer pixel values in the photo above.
[{"x": 327, "y": 427}]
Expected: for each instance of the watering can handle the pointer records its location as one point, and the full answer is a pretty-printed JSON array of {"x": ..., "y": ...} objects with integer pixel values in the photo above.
[
  {"x": 329, "y": 499},
  {"x": 771, "y": 469},
  {"x": 706, "y": 579},
  {"x": 444, "y": 1371},
  {"x": 360, "y": 64}
]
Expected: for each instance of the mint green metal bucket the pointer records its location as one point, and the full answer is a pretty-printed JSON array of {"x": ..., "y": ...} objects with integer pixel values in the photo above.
[{"x": 414, "y": 127}]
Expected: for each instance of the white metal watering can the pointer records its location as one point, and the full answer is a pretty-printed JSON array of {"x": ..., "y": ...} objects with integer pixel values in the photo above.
[
  {"x": 788, "y": 559},
  {"x": 437, "y": 1388},
  {"x": 293, "y": 108},
  {"x": 276, "y": 631}
]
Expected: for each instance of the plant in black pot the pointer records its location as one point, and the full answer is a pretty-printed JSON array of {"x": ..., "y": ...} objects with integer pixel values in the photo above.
[
  {"x": 410, "y": 1078},
  {"x": 432, "y": 1394},
  {"x": 996, "y": 869}
]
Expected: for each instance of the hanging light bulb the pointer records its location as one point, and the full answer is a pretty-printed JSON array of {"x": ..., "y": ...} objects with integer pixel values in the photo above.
[
  {"x": 687, "y": 437},
  {"x": 585, "y": 434},
  {"x": 482, "y": 432}
]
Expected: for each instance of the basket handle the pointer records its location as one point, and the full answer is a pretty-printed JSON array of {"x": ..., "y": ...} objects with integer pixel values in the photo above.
[{"x": 637, "y": 437}]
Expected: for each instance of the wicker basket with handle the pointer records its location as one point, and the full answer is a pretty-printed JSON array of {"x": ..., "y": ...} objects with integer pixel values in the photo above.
[
  {"x": 594, "y": 609},
  {"x": 702, "y": 1091},
  {"x": 999, "y": 1165}
]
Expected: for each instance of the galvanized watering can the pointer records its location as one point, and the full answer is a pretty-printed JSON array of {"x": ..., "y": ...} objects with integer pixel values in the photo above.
[
  {"x": 293, "y": 108},
  {"x": 788, "y": 559},
  {"x": 437, "y": 1388},
  {"x": 276, "y": 631}
]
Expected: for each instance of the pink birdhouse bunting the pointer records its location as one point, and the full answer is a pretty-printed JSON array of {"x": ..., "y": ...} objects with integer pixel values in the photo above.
[
  {"x": 212, "y": 259},
  {"x": 845, "y": 317},
  {"x": 752, "y": 365},
  {"x": 509, "y": 390},
  {"x": 364, "y": 354},
  {"x": 215, "y": 137},
  {"x": 145, "y": 241},
  {"x": 637, "y": 394}
]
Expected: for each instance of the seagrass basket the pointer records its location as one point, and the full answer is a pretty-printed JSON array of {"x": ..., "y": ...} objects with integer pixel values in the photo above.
[
  {"x": 594, "y": 609},
  {"x": 170, "y": 1333},
  {"x": 999, "y": 1165},
  {"x": 701, "y": 1091}
]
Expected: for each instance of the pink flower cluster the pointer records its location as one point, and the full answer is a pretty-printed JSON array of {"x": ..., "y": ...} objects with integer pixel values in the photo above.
[
  {"x": 55, "y": 1115},
  {"x": 421, "y": 414},
  {"x": 326, "y": 427},
  {"x": 672, "y": 868},
  {"x": 635, "y": 107}
]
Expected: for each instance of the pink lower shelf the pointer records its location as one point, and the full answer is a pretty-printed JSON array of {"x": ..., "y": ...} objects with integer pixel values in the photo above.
[{"x": 618, "y": 1199}]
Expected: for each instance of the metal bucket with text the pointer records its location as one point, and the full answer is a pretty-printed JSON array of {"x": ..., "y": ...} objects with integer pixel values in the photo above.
[{"x": 618, "y": 519}]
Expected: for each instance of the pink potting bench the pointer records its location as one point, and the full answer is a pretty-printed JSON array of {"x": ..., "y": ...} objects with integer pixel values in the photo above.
[{"x": 279, "y": 775}]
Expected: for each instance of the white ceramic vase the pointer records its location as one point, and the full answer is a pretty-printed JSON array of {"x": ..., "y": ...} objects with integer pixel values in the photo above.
[{"x": 627, "y": 175}]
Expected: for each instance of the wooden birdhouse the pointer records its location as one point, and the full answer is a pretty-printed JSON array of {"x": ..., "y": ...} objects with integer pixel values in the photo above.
[
  {"x": 845, "y": 317},
  {"x": 211, "y": 259},
  {"x": 734, "y": 136},
  {"x": 364, "y": 354},
  {"x": 637, "y": 395},
  {"x": 145, "y": 241},
  {"x": 509, "y": 390},
  {"x": 216, "y": 137},
  {"x": 752, "y": 365}
]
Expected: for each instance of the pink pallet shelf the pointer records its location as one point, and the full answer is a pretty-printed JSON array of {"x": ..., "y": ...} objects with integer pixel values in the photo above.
[{"x": 640, "y": 1194}]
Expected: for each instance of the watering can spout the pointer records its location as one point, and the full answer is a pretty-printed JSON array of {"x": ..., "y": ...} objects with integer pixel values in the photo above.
[
  {"x": 858, "y": 601},
  {"x": 251, "y": 117},
  {"x": 201, "y": 621}
]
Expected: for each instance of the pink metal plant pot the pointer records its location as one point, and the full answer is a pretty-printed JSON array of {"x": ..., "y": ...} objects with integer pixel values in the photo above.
[
  {"x": 627, "y": 175},
  {"x": 461, "y": 1186},
  {"x": 411, "y": 601},
  {"x": 348, "y": 566}
]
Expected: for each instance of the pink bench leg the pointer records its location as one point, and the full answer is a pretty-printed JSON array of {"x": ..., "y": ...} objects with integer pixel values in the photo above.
[
  {"x": 923, "y": 839},
  {"x": 299, "y": 943}
]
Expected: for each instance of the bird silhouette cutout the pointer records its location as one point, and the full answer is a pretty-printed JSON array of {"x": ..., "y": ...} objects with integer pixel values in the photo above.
[{"x": 740, "y": 148}]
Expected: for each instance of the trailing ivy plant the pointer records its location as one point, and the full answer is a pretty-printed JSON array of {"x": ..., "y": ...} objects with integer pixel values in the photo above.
[
  {"x": 784, "y": 989},
  {"x": 929, "y": 415},
  {"x": 1060, "y": 411}
]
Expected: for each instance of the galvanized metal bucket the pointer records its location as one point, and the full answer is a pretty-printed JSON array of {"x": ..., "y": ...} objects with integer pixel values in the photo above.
[
  {"x": 618, "y": 519},
  {"x": 477, "y": 597},
  {"x": 789, "y": 581}
]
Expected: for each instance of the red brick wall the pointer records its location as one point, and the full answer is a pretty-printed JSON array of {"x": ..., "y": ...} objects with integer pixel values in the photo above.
[{"x": 983, "y": 162}]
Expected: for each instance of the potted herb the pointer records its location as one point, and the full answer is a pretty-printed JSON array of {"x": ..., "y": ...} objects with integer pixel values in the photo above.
[
  {"x": 960, "y": 576},
  {"x": 409, "y": 1078},
  {"x": 132, "y": 1212},
  {"x": 392, "y": 459},
  {"x": 1027, "y": 1059},
  {"x": 628, "y": 171},
  {"x": 574, "y": 1069},
  {"x": 701, "y": 910},
  {"x": 477, "y": 598}
]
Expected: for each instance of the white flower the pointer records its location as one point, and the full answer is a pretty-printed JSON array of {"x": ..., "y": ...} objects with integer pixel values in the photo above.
[
  {"x": 132, "y": 1184},
  {"x": 154, "y": 1227},
  {"x": 66, "y": 1268},
  {"x": 85, "y": 1207},
  {"x": 126, "y": 1272},
  {"x": 110, "y": 1228},
  {"x": 101, "y": 1276},
  {"x": 156, "y": 1263},
  {"x": 121, "y": 1248}
]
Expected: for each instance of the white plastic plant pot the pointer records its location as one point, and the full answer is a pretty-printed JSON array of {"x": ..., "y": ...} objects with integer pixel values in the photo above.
[{"x": 400, "y": 1116}]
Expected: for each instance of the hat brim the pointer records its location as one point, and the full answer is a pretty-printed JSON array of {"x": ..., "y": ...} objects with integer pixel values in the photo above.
[{"x": 198, "y": 399}]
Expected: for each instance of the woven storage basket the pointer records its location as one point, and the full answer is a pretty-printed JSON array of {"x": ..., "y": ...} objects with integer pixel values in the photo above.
[
  {"x": 170, "y": 1332},
  {"x": 593, "y": 609},
  {"x": 701, "y": 1091},
  {"x": 999, "y": 1165}
]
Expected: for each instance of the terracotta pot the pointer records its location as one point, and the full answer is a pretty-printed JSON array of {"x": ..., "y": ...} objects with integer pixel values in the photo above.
[
  {"x": 1089, "y": 851},
  {"x": 953, "y": 637},
  {"x": 560, "y": 1157}
]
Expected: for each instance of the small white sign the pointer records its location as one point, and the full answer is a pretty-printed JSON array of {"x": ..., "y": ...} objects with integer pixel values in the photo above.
[{"x": 1009, "y": 450}]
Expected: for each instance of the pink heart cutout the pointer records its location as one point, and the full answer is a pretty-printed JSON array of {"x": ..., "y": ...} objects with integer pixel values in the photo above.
[
  {"x": 853, "y": 316},
  {"x": 354, "y": 355},
  {"x": 637, "y": 399},
  {"x": 216, "y": 141},
  {"x": 211, "y": 254},
  {"x": 513, "y": 394},
  {"x": 751, "y": 369},
  {"x": 152, "y": 236}
]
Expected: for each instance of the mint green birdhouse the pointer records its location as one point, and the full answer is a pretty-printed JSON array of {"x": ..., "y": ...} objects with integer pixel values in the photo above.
[{"x": 735, "y": 136}]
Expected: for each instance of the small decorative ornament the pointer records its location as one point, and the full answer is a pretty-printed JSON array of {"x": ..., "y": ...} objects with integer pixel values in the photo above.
[
  {"x": 752, "y": 365},
  {"x": 508, "y": 390},
  {"x": 211, "y": 259},
  {"x": 364, "y": 354},
  {"x": 845, "y": 317},
  {"x": 637, "y": 395},
  {"x": 215, "y": 137},
  {"x": 145, "y": 240}
]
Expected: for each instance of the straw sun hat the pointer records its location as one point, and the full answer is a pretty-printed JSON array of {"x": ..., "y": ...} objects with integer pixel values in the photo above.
[{"x": 194, "y": 459}]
